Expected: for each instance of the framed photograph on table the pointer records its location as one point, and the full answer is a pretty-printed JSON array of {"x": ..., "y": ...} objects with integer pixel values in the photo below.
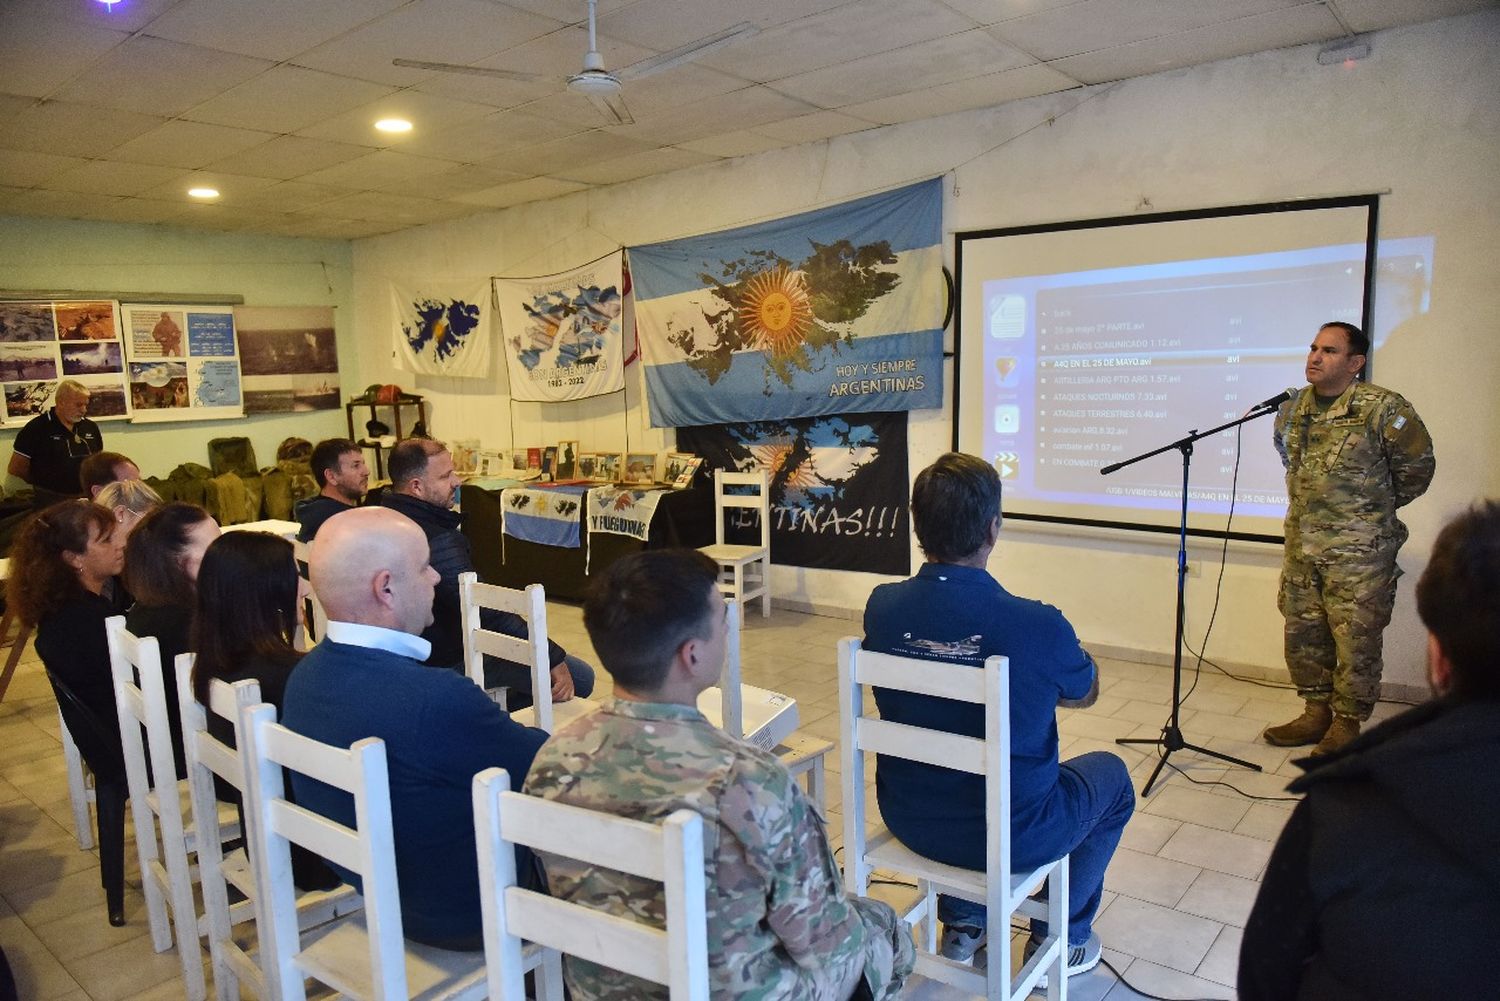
[
  {"x": 567, "y": 460},
  {"x": 610, "y": 467},
  {"x": 640, "y": 467},
  {"x": 681, "y": 468},
  {"x": 587, "y": 467}
]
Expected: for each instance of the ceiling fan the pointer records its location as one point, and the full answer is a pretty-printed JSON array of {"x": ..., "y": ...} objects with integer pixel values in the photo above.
[{"x": 593, "y": 81}]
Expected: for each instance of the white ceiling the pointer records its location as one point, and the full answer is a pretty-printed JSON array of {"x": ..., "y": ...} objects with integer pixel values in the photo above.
[{"x": 111, "y": 114}]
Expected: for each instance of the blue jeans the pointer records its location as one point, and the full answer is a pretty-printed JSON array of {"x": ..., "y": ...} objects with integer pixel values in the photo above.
[
  {"x": 1099, "y": 785},
  {"x": 518, "y": 680}
]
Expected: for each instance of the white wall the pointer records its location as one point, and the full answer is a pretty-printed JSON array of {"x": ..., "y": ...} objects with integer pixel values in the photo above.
[
  {"x": 1417, "y": 119},
  {"x": 58, "y": 254}
]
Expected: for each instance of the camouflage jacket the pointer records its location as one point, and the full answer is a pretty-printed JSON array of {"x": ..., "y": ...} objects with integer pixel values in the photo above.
[
  {"x": 779, "y": 924},
  {"x": 1348, "y": 469}
]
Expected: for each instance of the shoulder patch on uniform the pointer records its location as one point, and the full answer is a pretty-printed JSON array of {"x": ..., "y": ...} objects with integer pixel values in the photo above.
[{"x": 1399, "y": 422}]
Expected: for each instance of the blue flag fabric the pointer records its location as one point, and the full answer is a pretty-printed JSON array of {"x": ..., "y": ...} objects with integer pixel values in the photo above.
[
  {"x": 838, "y": 310},
  {"x": 551, "y": 517}
]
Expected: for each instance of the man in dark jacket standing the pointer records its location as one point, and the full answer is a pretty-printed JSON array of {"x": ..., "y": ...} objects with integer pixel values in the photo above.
[
  {"x": 424, "y": 487},
  {"x": 1386, "y": 881}
]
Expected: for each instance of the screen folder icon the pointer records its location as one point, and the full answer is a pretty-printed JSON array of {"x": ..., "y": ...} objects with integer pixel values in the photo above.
[
  {"x": 1007, "y": 418},
  {"x": 1007, "y": 317}
]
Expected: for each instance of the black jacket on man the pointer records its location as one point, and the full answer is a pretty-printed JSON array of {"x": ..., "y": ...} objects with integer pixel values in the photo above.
[
  {"x": 1386, "y": 881},
  {"x": 450, "y": 556}
]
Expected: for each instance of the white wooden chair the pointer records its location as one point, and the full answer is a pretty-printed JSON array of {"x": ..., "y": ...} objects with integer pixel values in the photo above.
[
  {"x": 156, "y": 801},
  {"x": 313, "y": 622},
  {"x": 1002, "y": 891},
  {"x": 530, "y": 605},
  {"x": 234, "y": 965},
  {"x": 362, "y": 955},
  {"x": 744, "y": 571},
  {"x": 803, "y": 754},
  {"x": 80, "y": 785},
  {"x": 671, "y": 854}
]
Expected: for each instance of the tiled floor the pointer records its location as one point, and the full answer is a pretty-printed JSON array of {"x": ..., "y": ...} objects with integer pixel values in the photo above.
[{"x": 1176, "y": 895}]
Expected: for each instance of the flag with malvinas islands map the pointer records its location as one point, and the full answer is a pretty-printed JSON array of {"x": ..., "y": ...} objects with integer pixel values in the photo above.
[
  {"x": 442, "y": 327},
  {"x": 839, "y": 310}
]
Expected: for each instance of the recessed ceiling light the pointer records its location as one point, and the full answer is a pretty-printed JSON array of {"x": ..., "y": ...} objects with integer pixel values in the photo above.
[
  {"x": 205, "y": 193},
  {"x": 393, "y": 125}
]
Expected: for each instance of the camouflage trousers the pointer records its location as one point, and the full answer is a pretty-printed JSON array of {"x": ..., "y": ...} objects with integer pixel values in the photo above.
[
  {"x": 889, "y": 951},
  {"x": 1336, "y": 614}
]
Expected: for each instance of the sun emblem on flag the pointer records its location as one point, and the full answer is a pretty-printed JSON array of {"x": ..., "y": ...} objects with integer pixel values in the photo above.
[
  {"x": 772, "y": 456},
  {"x": 775, "y": 310}
]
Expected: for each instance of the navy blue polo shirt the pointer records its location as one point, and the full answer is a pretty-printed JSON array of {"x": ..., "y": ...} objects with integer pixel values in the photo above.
[
  {"x": 56, "y": 452},
  {"x": 962, "y": 615}
]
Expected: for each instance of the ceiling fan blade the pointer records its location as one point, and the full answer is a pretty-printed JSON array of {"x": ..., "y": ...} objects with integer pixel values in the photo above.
[
  {"x": 612, "y": 107},
  {"x": 494, "y": 74},
  {"x": 686, "y": 53}
]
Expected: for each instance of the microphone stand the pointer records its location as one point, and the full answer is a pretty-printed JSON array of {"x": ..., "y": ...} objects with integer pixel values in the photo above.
[{"x": 1171, "y": 738}]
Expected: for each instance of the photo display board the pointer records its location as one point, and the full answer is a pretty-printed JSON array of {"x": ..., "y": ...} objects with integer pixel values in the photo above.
[
  {"x": 44, "y": 342},
  {"x": 181, "y": 362}
]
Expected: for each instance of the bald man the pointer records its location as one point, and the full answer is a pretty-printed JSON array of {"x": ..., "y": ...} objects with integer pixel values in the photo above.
[{"x": 369, "y": 568}]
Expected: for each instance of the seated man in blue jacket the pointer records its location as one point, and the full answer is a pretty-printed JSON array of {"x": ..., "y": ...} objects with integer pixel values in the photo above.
[
  {"x": 367, "y": 679},
  {"x": 424, "y": 487}
]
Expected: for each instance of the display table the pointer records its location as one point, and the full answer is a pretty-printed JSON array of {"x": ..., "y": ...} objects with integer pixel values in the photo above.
[{"x": 683, "y": 518}]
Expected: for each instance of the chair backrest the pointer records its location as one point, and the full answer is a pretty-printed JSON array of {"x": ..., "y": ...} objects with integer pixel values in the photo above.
[
  {"x": 530, "y": 605},
  {"x": 990, "y": 756},
  {"x": 671, "y": 854},
  {"x": 207, "y": 757},
  {"x": 757, "y": 499},
  {"x": 313, "y": 622},
  {"x": 267, "y": 748},
  {"x": 732, "y": 701}
]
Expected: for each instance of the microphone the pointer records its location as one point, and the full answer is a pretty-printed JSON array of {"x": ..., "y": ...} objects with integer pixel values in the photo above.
[{"x": 1277, "y": 400}]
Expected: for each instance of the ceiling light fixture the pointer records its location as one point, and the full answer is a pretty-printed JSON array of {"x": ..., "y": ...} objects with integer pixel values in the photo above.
[
  {"x": 204, "y": 193},
  {"x": 108, "y": 4},
  {"x": 1345, "y": 52},
  {"x": 393, "y": 125}
]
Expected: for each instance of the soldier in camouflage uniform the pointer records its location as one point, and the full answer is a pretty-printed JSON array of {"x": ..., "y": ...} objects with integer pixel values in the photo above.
[
  {"x": 779, "y": 923},
  {"x": 1354, "y": 453}
]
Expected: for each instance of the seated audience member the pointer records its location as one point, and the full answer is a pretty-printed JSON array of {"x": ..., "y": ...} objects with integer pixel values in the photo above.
[
  {"x": 366, "y": 679},
  {"x": 105, "y": 467},
  {"x": 1385, "y": 882},
  {"x": 338, "y": 465},
  {"x": 61, "y": 561},
  {"x": 779, "y": 922},
  {"x": 954, "y": 611},
  {"x": 129, "y": 501},
  {"x": 243, "y": 629},
  {"x": 161, "y": 572},
  {"x": 425, "y": 488}
]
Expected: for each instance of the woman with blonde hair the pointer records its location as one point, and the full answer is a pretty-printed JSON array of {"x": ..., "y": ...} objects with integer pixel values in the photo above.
[{"x": 129, "y": 501}]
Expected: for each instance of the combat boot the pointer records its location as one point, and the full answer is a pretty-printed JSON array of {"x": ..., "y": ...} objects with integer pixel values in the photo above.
[
  {"x": 1308, "y": 728},
  {"x": 1343, "y": 730}
]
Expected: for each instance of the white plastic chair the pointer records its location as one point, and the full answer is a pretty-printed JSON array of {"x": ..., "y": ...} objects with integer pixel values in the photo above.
[
  {"x": 207, "y": 757},
  {"x": 362, "y": 955},
  {"x": 1002, "y": 891},
  {"x": 312, "y": 624},
  {"x": 80, "y": 785},
  {"x": 156, "y": 801},
  {"x": 744, "y": 571},
  {"x": 671, "y": 854},
  {"x": 530, "y": 605},
  {"x": 802, "y": 754}
]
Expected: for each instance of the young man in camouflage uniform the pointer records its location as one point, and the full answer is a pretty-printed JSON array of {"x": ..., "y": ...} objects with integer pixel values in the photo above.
[
  {"x": 779, "y": 923},
  {"x": 1354, "y": 453}
]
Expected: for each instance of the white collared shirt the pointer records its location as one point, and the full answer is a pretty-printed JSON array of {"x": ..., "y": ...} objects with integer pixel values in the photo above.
[{"x": 379, "y": 638}]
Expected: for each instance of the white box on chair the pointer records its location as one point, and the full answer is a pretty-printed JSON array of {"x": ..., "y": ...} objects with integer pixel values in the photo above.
[{"x": 769, "y": 717}]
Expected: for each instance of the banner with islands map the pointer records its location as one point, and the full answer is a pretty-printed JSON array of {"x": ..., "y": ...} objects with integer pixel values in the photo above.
[
  {"x": 442, "y": 327},
  {"x": 181, "y": 361},
  {"x": 564, "y": 333},
  {"x": 839, "y": 310}
]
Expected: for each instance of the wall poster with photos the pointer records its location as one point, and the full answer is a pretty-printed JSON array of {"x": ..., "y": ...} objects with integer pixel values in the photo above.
[
  {"x": 44, "y": 342},
  {"x": 182, "y": 362}
]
